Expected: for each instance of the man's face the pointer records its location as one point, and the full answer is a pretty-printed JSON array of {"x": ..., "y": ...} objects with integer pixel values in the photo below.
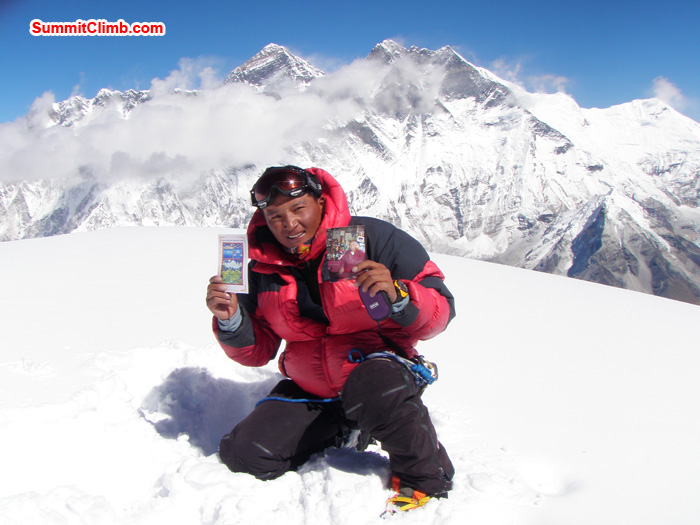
[{"x": 294, "y": 220}]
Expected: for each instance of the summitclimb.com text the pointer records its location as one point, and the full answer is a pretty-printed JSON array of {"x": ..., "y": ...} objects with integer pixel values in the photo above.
[{"x": 96, "y": 28}]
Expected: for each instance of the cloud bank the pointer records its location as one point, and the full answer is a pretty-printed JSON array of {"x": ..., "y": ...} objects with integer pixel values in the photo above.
[
  {"x": 173, "y": 135},
  {"x": 182, "y": 134}
]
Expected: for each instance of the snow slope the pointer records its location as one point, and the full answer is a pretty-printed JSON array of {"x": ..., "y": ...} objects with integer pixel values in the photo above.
[{"x": 560, "y": 401}]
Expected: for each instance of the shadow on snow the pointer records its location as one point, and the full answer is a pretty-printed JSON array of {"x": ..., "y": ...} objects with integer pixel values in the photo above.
[{"x": 193, "y": 402}]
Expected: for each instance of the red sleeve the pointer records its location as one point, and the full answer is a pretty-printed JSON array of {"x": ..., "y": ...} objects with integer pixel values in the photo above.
[
  {"x": 429, "y": 310},
  {"x": 262, "y": 345}
]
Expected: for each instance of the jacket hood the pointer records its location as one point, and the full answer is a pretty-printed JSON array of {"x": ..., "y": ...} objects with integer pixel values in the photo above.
[{"x": 262, "y": 245}]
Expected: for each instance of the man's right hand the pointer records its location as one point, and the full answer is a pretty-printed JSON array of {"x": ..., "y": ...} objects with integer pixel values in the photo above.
[{"x": 221, "y": 303}]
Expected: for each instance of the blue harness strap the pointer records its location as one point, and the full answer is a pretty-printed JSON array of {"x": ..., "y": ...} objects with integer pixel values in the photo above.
[
  {"x": 298, "y": 400},
  {"x": 424, "y": 375}
]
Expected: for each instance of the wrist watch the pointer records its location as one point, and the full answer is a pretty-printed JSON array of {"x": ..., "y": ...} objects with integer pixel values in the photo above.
[{"x": 401, "y": 290}]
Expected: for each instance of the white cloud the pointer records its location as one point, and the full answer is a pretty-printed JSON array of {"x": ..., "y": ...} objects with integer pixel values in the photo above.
[
  {"x": 39, "y": 116},
  {"x": 549, "y": 83},
  {"x": 192, "y": 73},
  {"x": 665, "y": 90},
  {"x": 515, "y": 73},
  {"x": 507, "y": 70},
  {"x": 396, "y": 88},
  {"x": 78, "y": 88}
]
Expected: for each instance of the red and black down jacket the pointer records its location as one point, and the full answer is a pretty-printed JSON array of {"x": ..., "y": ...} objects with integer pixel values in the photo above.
[{"x": 320, "y": 337}]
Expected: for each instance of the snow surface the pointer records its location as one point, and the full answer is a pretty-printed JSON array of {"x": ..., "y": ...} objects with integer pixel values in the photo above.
[{"x": 560, "y": 401}]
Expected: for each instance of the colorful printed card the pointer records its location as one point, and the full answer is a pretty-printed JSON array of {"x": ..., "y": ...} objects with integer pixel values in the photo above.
[
  {"x": 345, "y": 247},
  {"x": 233, "y": 262}
]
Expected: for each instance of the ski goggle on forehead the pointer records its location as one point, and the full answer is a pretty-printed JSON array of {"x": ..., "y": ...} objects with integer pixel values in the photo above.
[{"x": 289, "y": 181}]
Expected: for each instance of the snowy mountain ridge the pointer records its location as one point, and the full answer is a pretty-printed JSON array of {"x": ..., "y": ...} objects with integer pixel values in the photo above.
[
  {"x": 67, "y": 112},
  {"x": 468, "y": 164}
]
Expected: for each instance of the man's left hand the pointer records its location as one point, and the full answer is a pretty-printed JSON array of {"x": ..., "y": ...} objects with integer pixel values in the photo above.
[{"x": 375, "y": 277}]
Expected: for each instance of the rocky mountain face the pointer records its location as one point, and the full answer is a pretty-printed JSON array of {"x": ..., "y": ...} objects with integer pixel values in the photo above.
[
  {"x": 467, "y": 163},
  {"x": 274, "y": 69}
]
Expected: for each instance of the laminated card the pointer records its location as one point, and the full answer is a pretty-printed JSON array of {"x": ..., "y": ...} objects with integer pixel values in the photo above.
[{"x": 233, "y": 262}]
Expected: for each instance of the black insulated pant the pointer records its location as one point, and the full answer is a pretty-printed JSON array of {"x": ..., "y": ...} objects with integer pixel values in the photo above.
[{"x": 380, "y": 397}]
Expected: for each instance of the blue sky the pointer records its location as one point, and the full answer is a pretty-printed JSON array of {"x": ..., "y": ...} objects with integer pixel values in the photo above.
[{"x": 601, "y": 53}]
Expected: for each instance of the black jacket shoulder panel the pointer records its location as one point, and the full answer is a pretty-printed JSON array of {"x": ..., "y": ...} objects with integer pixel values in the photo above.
[{"x": 394, "y": 248}]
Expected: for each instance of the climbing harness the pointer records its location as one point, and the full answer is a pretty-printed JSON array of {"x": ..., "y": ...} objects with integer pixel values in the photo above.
[{"x": 424, "y": 372}]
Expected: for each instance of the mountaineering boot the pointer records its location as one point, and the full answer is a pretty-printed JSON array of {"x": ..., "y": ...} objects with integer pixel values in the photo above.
[{"x": 405, "y": 498}]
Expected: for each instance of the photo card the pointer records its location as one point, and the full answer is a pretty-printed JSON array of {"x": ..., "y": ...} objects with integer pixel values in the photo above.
[
  {"x": 345, "y": 247},
  {"x": 233, "y": 262}
]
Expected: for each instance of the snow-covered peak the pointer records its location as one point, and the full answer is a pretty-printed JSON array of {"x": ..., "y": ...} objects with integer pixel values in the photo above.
[
  {"x": 273, "y": 49},
  {"x": 272, "y": 66},
  {"x": 70, "y": 111},
  {"x": 643, "y": 110},
  {"x": 387, "y": 51},
  {"x": 104, "y": 92}
]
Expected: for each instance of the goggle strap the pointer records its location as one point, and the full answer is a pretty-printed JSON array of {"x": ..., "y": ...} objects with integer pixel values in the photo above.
[{"x": 310, "y": 183}]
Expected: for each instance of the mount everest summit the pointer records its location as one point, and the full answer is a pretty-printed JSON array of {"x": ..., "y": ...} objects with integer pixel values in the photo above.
[{"x": 467, "y": 163}]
